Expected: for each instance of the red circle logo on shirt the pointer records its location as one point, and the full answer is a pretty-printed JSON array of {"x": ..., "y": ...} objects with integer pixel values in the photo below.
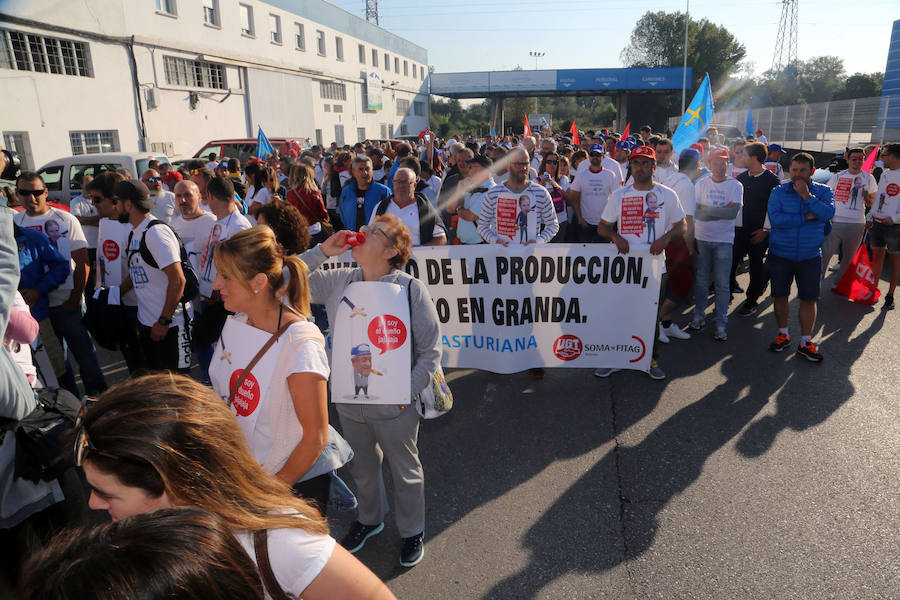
[
  {"x": 110, "y": 250},
  {"x": 893, "y": 189},
  {"x": 246, "y": 398},
  {"x": 567, "y": 347}
]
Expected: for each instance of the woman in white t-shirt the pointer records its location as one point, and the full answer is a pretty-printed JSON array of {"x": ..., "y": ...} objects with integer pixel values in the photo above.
[
  {"x": 282, "y": 406},
  {"x": 549, "y": 176},
  {"x": 164, "y": 440}
]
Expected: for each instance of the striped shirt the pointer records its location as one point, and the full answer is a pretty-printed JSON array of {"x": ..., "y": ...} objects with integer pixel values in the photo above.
[{"x": 500, "y": 220}]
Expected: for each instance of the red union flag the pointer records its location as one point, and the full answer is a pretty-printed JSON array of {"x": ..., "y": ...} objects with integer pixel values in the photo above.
[
  {"x": 527, "y": 126},
  {"x": 574, "y": 131},
  {"x": 859, "y": 283}
]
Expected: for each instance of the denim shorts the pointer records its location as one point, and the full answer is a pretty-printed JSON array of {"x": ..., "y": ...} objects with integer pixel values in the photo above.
[
  {"x": 885, "y": 236},
  {"x": 783, "y": 272}
]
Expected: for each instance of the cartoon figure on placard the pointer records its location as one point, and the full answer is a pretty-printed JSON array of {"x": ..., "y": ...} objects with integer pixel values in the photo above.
[
  {"x": 651, "y": 215},
  {"x": 361, "y": 359},
  {"x": 206, "y": 263},
  {"x": 854, "y": 191},
  {"x": 54, "y": 231},
  {"x": 522, "y": 217}
]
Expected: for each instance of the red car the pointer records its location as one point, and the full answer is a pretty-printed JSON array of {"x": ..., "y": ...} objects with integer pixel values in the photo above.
[{"x": 244, "y": 149}]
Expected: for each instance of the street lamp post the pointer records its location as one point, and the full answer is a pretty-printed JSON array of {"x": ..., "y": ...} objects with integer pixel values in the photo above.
[{"x": 536, "y": 56}]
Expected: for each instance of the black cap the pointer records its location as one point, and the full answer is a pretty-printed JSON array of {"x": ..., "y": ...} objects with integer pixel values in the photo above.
[
  {"x": 136, "y": 191},
  {"x": 482, "y": 160}
]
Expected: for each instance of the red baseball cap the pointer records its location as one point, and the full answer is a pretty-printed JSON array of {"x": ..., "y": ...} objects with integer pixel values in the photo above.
[
  {"x": 645, "y": 151},
  {"x": 174, "y": 175},
  {"x": 698, "y": 147},
  {"x": 718, "y": 152}
]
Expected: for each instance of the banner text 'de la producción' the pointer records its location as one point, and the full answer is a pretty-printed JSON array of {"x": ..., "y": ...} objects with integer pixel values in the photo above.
[{"x": 505, "y": 309}]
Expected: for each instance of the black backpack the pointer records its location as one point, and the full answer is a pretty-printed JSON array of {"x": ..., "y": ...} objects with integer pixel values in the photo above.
[
  {"x": 191, "y": 282},
  {"x": 428, "y": 217}
]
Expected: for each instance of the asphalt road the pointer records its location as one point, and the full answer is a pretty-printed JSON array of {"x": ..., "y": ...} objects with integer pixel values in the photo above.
[{"x": 745, "y": 474}]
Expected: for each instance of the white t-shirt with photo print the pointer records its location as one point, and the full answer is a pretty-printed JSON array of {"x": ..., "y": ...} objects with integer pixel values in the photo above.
[
  {"x": 849, "y": 203},
  {"x": 221, "y": 230},
  {"x": 66, "y": 235},
  {"x": 887, "y": 198},
  {"x": 643, "y": 216}
]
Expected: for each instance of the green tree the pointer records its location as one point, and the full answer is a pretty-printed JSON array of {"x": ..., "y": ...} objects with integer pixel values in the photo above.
[
  {"x": 658, "y": 41},
  {"x": 824, "y": 76},
  {"x": 861, "y": 85}
]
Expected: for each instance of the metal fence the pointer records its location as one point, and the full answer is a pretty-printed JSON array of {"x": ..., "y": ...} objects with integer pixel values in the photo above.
[{"x": 819, "y": 127}]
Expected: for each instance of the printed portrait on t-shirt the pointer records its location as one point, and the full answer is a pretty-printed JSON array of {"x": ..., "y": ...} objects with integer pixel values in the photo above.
[
  {"x": 651, "y": 214},
  {"x": 522, "y": 217},
  {"x": 59, "y": 236},
  {"x": 855, "y": 190},
  {"x": 206, "y": 262}
]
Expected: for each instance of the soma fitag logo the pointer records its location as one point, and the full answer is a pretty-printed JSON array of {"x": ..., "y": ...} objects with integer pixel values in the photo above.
[{"x": 567, "y": 347}]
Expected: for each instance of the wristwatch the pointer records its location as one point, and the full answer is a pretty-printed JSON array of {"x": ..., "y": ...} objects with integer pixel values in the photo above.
[{"x": 164, "y": 321}]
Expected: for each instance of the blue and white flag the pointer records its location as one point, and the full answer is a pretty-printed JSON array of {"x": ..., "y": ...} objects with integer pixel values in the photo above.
[
  {"x": 695, "y": 119},
  {"x": 748, "y": 126},
  {"x": 263, "y": 147}
]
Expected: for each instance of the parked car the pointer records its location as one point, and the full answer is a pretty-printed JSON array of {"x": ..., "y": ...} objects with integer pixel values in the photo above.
[
  {"x": 244, "y": 149},
  {"x": 63, "y": 176}
]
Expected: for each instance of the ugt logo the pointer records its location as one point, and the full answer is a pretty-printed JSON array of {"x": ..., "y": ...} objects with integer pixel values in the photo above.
[{"x": 567, "y": 347}]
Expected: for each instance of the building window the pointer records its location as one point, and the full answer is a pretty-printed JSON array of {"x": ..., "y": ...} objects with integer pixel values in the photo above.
[
  {"x": 18, "y": 142},
  {"x": 404, "y": 129},
  {"x": 94, "y": 142},
  {"x": 396, "y": 65},
  {"x": 29, "y": 52},
  {"x": 246, "y": 20},
  {"x": 299, "y": 36},
  {"x": 402, "y": 107},
  {"x": 211, "y": 12},
  {"x": 327, "y": 108},
  {"x": 320, "y": 41},
  {"x": 419, "y": 109},
  {"x": 166, "y": 6},
  {"x": 387, "y": 62},
  {"x": 360, "y": 133},
  {"x": 374, "y": 57},
  {"x": 406, "y": 68},
  {"x": 330, "y": 90},
  {"x": 338, "y": 108},
  {"x": 362, "y": 54},
  {"x": 275, "y": 29},
  {"x": 194, "y": 73},
  {"x": 414, "y": 71},
  {"x": 339, "y": 48},
  {"x": 422, "y": 73}
]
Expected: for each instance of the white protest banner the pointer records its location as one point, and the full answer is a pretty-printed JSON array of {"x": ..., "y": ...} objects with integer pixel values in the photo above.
[
  {"x": 111, "y": 241},
  {"x": 371, "y": 347},
  {"x": 506, "y": 309}
]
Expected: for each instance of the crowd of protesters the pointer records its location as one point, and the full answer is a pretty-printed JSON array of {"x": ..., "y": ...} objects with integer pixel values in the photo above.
[{"x": 217, "y": 243}]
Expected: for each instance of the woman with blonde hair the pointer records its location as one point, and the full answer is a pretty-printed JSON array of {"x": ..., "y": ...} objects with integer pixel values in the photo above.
[
  {"x": 282, "y": 409},
  {"x": 305, "y": 196},
  {"x": 383, "y": 431},
  {"x": 164, "y": 440}
]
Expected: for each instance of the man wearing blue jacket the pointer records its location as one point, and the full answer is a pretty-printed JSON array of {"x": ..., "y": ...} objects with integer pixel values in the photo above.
[
  {"x": 361, "y": 195},
  {"x": 43, "y": 269},
  {"x": 798, "y": 211}
]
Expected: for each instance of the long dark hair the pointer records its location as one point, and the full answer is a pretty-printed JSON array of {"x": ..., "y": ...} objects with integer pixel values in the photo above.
[{"x": 170, "y": 554}]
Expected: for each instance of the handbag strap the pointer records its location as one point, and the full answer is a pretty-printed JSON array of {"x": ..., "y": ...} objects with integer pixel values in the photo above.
[
  {"x": 256, "y": 359},
  {"x": 261, "y": 548}
]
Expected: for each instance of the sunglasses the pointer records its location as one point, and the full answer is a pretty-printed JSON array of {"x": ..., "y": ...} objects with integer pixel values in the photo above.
[
  {"x": 96, "y": 199},
  {"x": 35, "y": 193},
  {"x": 152, "y": 179},
  {"x": 552, "y": 162},
  {"x": 82, "y": 441}
]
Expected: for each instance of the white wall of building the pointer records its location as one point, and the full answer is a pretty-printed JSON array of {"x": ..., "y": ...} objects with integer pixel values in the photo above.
[{"x": 273, "y": 85}]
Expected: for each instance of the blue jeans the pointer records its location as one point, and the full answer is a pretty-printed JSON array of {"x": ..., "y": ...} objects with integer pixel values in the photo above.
[
  {"x": 715, "y": 256},
  {"x": 67, "y": 326}
]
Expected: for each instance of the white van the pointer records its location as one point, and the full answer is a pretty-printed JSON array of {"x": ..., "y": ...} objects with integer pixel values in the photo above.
[{"x": 63, "y": 176}]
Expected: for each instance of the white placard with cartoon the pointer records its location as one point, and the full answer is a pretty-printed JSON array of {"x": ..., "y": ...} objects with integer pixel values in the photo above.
[
  {"x": 236, "y": 347},
  {"x": 111, "y": 241},
  {"x": 517, "y": 218},
  {"x": 371, "y": 346}
]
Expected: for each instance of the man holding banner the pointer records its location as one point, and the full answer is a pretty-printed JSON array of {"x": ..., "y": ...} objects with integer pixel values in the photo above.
[{"x": 636, "y": 208}]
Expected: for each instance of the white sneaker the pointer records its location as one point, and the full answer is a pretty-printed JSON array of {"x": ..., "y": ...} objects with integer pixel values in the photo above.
[
  {"x": 720, "y": 335},
  {"x": 674, "y": 331},
  {"x": 662, "y": 334},
  {"x": 606, "y": 372}
]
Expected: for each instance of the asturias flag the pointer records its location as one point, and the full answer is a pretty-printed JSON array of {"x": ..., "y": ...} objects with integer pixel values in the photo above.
[
  {"x": 748, "y": 126},
  {"x": 263, "y": 147},
  {"x": 695, "y": 119}
]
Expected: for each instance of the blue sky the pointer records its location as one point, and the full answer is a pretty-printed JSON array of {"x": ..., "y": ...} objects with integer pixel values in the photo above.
[{"x": 481, "y": 35}]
